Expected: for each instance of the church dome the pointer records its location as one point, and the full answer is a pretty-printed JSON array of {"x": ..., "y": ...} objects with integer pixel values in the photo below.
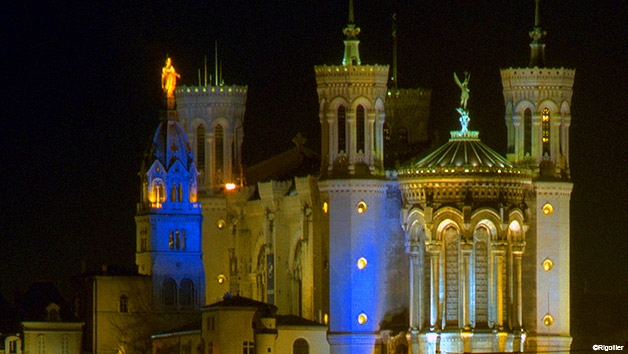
[
  {"x": 464, "y": 169},
  {"x": 463, "y": 154},
  {"x": 170, "y": 144}
]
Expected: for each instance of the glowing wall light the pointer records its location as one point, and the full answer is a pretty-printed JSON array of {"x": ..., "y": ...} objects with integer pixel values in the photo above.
[
  {"x": 361, "y": 207},
  {"x": 325, "y": 207},
  {"x": 548, "y": 209},
  {"x": 230, "y": 186},
  {"x": 548, "y": 264},
  {"x": 362, "y": 318},
  {"x": 548, "y": 320},
  {"x": 221, "y": 279},
  {"x": 361, "y": 263},
  {"x": 221, "y": 224}
]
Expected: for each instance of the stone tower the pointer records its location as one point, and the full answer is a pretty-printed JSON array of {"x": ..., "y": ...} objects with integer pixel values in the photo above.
[
  {"x": 351, "y": 98},
  {"x": 538, "y": 116},
  {"x": 213, "y": 118},
  {"x": 407, "y": 113},
  {"x": 361, "y": 203},
  {"x": 538, "y": 111},
  {"x": 169, "y": 218},
  {"x": 212, "y": 115}
]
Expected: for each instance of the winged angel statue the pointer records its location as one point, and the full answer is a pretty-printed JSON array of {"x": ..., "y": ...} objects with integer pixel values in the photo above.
[
  {"x": 464, "y": 97},
  {"x": 464, "y": 87}
]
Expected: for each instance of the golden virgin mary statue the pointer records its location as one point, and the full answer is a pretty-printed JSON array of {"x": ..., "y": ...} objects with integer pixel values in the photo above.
[{"x": 169, "y": 78}]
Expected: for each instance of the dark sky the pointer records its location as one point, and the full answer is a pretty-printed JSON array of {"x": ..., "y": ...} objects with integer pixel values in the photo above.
[{"x": 81, "y": 96}]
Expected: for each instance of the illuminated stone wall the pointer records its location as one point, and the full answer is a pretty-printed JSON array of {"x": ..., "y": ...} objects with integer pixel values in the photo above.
[
  {"x": 208, "y": 107},
  {"x": 271, "y": 248},
  {"x": 527, "y": 92}
]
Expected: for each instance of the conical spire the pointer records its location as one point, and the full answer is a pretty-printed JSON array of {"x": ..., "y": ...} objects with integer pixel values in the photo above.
[
  {"x": 352, "y": 53},
  {"x": 393, "y": 77},
  {"x": 537, "y": 54},
  {"x": 351, "y": 16}
]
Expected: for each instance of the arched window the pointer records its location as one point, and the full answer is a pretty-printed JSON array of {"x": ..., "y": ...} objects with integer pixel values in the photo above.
[
  {"x": 342, "y": 129},
  {"x": 200, "y": 148},
  {"x": 186, "y": 294},
  {"x": 359, "y": 129},
  {"x": 65, "y": 345},
  {"x": 452, "y": 271},
  {"x": 53, "y": 315},
  {"x": 527, "y": 132},
  {"x": 169, "y": 293},
  {"x": 41, "y": 344},
  {"x": 545, "y": 128},
  {"x": 481, "y": 277},
  {"x": 14, "y": 343},
  {"x": 219, "y": 135},
  {"x": 158, "y": 193},
  {"x": 124, "y": 304},
  {"x": 300, "y": 346}
]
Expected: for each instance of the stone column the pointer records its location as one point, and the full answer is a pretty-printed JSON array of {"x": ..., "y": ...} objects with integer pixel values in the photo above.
[
  {"x": 371, "y": 141},
  {"x": 415, "y": 289},
  {"x": 332, "y": 140},
  {"x": 517, "y": 298},
  {"x": 434, "y": 250}
]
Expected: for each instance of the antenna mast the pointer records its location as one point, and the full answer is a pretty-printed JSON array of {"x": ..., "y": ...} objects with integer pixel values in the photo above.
[
  {"x": 393, "y": 79},
  {"x": 216, "y": 62}
]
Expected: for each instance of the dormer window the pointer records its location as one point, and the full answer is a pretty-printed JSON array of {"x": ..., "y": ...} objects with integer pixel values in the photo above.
[
  {"x": 52, "y": 313},
  {"x": 157, "y": 193},
  {"x": 13, "y": 345}
]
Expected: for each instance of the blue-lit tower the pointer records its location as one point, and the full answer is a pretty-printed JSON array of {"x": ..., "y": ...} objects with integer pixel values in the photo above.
[
  {"x": 363, "y": 206},
  {"x": 169, "y": 216}
]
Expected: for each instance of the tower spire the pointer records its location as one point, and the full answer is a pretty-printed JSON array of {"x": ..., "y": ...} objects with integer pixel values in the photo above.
[
  {"x": 351, "y": 16},
  {"x": 352, "y": 53},
  {"x": 393, "y": 78},
  {"x": 537, "y": 46}
]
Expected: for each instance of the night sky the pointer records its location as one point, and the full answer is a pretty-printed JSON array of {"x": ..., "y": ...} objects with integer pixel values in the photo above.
[{"x": 81, "y": 94}]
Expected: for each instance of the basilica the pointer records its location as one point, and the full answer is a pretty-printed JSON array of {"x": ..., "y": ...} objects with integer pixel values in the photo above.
[{"x": 370, "y": 246}]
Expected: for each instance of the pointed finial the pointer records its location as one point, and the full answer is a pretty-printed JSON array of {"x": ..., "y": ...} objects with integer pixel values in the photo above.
[
  {"x": 393, "y": 78},
  {"x": 351, "y": 17},
  {"x": 537, "y": 55},
  {"x": 352, "y": 53}
]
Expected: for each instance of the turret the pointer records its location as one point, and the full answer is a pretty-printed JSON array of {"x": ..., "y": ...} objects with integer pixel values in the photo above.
[
  {"x": 538, "y": 112},
  {"x": 351, "y": 99},
  {"x": 168, "y": 215}
]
